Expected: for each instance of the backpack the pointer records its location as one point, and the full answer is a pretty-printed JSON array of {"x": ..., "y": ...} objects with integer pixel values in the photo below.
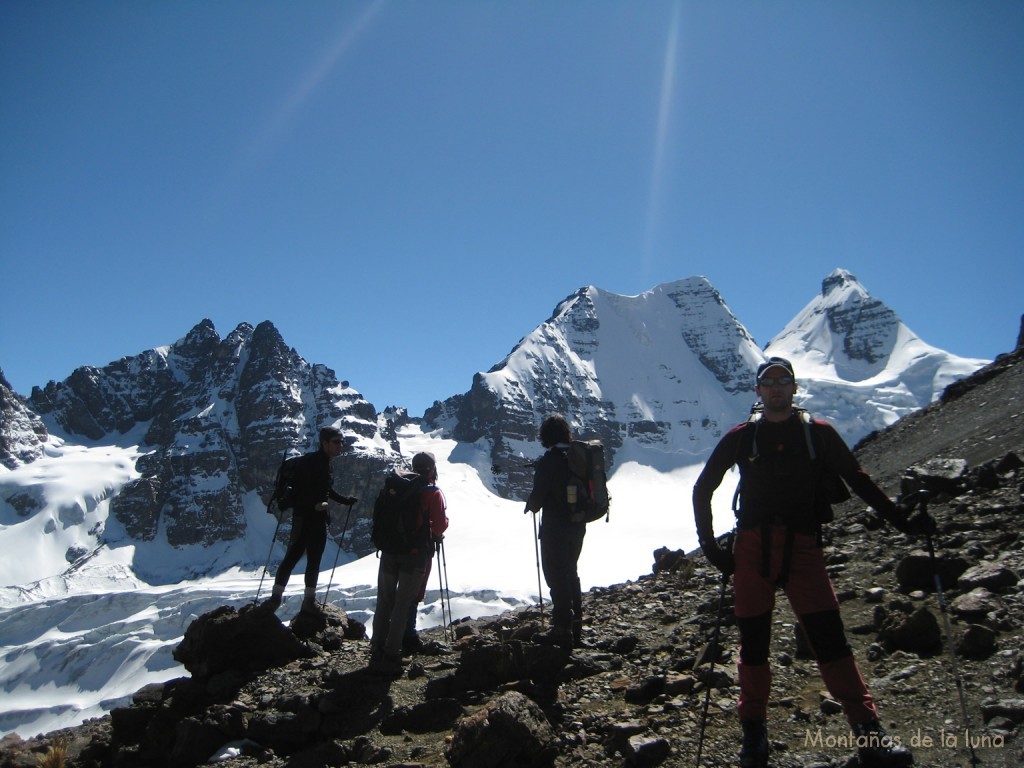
[
  {"x": 284, "y": 485},
  {"x": 587, "y": 491},
  {"x": 832, "y": 488},
  {"x": 399, "y": 525}
]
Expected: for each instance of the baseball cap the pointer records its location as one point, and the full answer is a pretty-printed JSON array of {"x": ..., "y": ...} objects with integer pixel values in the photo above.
[
  {"x": 423, "y": 462},
  {"x": 775, "y": 362}
]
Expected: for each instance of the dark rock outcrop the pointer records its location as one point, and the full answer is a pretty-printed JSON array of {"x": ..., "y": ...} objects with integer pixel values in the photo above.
[
  {"x": 22, "y": 433},
  {"x": 221, "y": 414}
]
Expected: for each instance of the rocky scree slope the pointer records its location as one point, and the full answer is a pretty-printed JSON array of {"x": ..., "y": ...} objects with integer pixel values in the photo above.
[{"x": 488, "y": 695}]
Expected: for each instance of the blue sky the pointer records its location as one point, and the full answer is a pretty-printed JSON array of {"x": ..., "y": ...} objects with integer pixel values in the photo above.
[{"x": 407, "y": 188}]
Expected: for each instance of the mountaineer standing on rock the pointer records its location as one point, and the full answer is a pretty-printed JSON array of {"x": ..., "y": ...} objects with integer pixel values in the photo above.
[
  {"x": 311, "y": 488},
  {"x": 561, "y": 540},
  {"x": 790, "y": 466},
  {"x": 404, "y": 558}
]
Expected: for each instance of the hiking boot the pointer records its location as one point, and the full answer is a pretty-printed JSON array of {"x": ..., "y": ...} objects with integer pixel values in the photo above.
[
  {"x": 754, "y": 749},
  {"x": 577, "y": 634},
  {"x": 311, "y": 608},
  {"x": 388, "y": 665},
  {"x": 877, "y": 749},
  {"x": 273, "y": 602},
  {"x": 309, "y": 603},
  {"x": 412, "y": 645},
  {"x": 376, "y": 654},
  {"x": 554, "y": 636}
]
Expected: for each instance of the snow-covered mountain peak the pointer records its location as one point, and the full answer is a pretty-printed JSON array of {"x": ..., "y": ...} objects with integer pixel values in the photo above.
[
  {"x": 659, "y": 375},
  {"x": 857, "y": 362},
  {"x": 840, "y": 286}
]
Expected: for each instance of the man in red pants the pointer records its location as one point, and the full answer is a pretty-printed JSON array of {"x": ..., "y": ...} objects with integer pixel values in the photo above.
[{"x": 787, "y": 463}]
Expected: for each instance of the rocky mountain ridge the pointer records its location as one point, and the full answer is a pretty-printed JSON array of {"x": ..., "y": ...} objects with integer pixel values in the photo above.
[
  {"x": 484, "y": 693},
  {"x": 214, "y": 418},
  {"x": 23, "y": 433},
  {"x": 657, "y": 377}
]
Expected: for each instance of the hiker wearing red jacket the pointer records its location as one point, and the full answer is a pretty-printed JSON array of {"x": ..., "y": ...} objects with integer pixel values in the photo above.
[
  {"x": 788, "y": 467},
  {"x": 400, "y": 575}
]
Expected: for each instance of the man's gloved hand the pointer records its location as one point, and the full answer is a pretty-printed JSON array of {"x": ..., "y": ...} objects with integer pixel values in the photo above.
[
  {"x": 919, "y": 524},
  {"x": 719, "y": 557}
]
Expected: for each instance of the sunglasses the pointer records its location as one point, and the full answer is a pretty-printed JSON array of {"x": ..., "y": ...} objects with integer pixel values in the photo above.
[
  {"x": 337, "y": 441},
  {"x": 775, "y": 381}
]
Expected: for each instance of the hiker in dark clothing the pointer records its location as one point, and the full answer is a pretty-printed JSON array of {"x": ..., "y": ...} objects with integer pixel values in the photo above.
[
  {"x": 400, "y": 576},
  {"x": 411, "y": 642},
  {"x": 784, "y": 462},
  {"x": 561, "y": 540},
  {"x": 312, "y": 484}
]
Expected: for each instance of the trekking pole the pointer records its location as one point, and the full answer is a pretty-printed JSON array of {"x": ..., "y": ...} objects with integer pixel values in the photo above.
[
  {"x": 711, "y": 668},
  {"x": 337, "y": 555},
  {"x": 447, "y": 592},
  {"x": 440, "y": 588},
  {"x": 270, "y": 502},
  {"x": 941, "y": 596},
  {"x": 536, "y": 551},
  {"x": 266, "y": 565}
]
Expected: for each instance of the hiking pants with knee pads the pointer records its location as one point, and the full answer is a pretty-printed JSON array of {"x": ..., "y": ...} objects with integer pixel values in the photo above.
[{"x": 814, "y": 602}]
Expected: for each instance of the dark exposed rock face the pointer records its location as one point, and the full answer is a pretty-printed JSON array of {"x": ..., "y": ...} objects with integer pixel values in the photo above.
[
  {"x": 868, "y": 328},
  {"x": 510, "y": 731},
  {"x": 219, "y": 415},
  {"x": 706, "y": 322},
  {"x": 22, "y": 434}
]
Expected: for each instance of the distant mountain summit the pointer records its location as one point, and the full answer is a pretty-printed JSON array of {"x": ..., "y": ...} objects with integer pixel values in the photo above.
[
  {"x": 858, "y": 364},
  {"x": 660, "y": 376}
]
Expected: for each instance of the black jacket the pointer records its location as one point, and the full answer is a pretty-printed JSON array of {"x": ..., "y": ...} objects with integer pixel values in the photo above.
[
  {"x": 312, "y": 482},
  {"x": 550, "y": 480},
  {"x": 779, "y": 480}
]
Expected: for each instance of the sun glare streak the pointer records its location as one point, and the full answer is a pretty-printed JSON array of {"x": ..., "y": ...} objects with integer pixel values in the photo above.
[
  {"x": 254, "y": 151},
  {"x": 309, "y": 83},
  {"x": 668, "y": 73}
]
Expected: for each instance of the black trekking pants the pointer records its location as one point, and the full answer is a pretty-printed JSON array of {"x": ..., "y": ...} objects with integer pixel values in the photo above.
[
  {"x": 560, "y": 547},
  {"x": 309, "y": 538}
]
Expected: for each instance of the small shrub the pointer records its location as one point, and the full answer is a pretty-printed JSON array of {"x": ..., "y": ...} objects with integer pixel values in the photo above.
[{"x": 55, "y": 755}]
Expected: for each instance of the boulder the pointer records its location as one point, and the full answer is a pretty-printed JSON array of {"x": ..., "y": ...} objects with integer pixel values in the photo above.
[
  {"x": 992, "y": 576},
  {"x": 509, "y": 731},
  {"x": 916, "y": 571},
  {"x": 916, "y": 632},
  {"x": 247, "y": 641}
]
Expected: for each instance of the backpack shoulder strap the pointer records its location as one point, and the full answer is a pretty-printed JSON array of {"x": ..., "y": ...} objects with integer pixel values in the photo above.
[{"x": 806, "y": 420}]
